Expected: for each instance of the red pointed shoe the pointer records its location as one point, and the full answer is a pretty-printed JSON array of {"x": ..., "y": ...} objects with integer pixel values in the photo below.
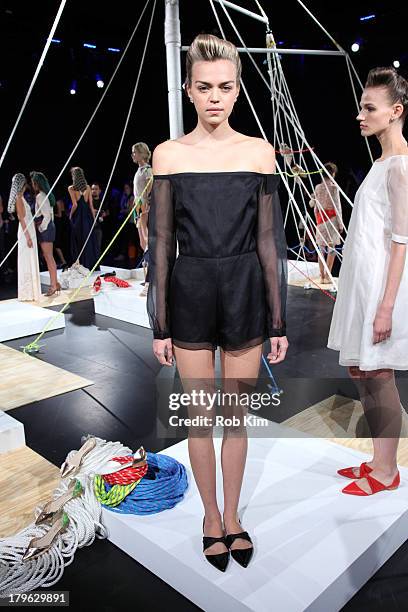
[
  {"x": 348, "y": 472},
  {"x": 375, "y": 485}
]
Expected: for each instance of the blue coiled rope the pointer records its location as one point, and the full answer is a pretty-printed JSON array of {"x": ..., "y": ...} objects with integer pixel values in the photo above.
[{"x": 161, "y": 488}]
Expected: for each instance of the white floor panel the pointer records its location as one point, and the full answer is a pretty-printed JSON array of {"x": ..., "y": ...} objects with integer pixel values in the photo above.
[
  {"x": 314, "y": 546},
  {"x": 18, "y": 319},
  {"x": 11, "y": 433}
]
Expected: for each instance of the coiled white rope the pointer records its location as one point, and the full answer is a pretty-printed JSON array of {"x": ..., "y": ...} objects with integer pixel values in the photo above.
[{"x": 84, "y": 525}]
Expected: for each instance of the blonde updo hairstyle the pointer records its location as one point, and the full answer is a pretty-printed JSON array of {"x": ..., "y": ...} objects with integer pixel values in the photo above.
[
  {"x": 143, "y": 149},
  {"x": 209, "y": 48}
]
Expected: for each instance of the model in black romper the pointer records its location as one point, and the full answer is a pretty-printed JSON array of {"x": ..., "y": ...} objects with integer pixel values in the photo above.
[{"x": 227, "y": 287}]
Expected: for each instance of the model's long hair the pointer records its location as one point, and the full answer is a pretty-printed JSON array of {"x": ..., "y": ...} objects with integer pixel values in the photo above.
[
  {"x": 17, "y": 185},
  {"x": 43, "y": 184},
  {"x": 78, "y": 179}
]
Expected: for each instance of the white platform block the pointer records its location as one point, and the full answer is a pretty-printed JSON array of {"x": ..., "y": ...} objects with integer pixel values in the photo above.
[
  {"x": 11, "y": 433},
  {"x": 124, "y": 304},
  {"x": 310, "y": 268},
  {"x": 136, "y": 273},
  {"x": 126, "y": 274},
  {"x": 18, "y": 319},
  {"x": 45, "y": 279},
  {"x": 314, "y": 546}
]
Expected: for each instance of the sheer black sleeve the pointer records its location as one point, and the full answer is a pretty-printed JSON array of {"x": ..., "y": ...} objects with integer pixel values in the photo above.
[
  {"x": 162, "y": 254},
  {"x": 272, "y": 253}
]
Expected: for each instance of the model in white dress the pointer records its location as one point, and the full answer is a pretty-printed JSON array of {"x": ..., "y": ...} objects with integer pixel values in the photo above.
[
  {"x": 28, "y": 271},
  {"x": 380, "y": 216}
]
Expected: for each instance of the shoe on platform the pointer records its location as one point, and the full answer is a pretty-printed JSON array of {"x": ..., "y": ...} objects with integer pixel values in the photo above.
[
  {"x": 348, "y": 472},
  {"x": 375, "y": 485},
  {"x": 220, "y": 560},
  {"x": 240, "y": 555}
]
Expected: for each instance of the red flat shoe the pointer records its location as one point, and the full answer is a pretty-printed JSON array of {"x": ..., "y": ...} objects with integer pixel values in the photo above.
[
  {"x": 375, "y": 485},
  {"x": 348, "y": 472}
]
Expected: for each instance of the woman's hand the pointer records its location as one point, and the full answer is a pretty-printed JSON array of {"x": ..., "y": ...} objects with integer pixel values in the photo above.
[
  {"x": 163, "y": 350},
  {"x": 382, "y": 325},
  {"x": 29, "y": 242},
  {"x": 279, "y": 347}
]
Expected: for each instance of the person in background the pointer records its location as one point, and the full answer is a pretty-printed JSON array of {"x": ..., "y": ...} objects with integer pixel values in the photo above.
[
  {"x": 329, "y": 221},
  {"x": 44, "y": 205},
  {"x": 62, "y": 234},
  {"x": 102, "y": 216},
  {"x": 84, "y": 243},
  {"x": 369, "y": 324},
  {"x": 142, "y": 185},
  {"x": 28, "y": 269},
  {"x": 128, "y": 236}
]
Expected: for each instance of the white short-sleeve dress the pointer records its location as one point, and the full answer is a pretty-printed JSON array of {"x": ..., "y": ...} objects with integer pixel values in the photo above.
[{"x": 380, "y": 216}]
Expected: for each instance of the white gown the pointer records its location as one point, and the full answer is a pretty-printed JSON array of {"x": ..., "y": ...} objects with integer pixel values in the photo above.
[
  {"x": 28, "y": 270},
  {"x": 380, "y": 216}
]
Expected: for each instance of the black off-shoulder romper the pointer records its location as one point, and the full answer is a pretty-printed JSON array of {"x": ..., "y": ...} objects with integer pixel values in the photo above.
[{"x": 227, "y": 287}]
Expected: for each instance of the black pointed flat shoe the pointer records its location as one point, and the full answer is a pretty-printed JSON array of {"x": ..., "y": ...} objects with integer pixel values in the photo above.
[
  {"x": 220, "y": 560},
  {"x": 241, "y": 555}
]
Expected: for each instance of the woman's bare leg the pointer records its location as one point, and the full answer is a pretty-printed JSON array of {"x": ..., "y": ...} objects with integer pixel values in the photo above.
[
  {"x": 47, "y": 248},
  {"x": 331, "y": 256},
  {"x": 197, "y": 371},
  {"x": 321, "y": 266},
  {"x": 240, "y": 370},
  {"x": 382, "y": 408}
]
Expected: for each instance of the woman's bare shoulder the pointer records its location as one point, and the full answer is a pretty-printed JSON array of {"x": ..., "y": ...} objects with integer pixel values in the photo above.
[
  {"x": 163, "y": 155},
  {"x": 263, "y": 152}
]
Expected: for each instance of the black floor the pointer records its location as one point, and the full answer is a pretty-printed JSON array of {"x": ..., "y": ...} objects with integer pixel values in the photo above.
[{"x": 121, "y": 406}]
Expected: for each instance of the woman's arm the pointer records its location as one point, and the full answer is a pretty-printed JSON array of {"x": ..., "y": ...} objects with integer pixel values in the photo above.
[
  {"x": 272, "y": 253},
  {"x": 71, "y": 192},
  {"x": 397, "y": 186},
  {"x": 88, "y": 198},
  {"x": 162, "y": 250},
  {"x": 21, "y": 213}
]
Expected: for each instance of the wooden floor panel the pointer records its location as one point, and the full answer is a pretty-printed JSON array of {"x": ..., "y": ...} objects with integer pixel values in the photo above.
[
  {"x": 25, "y": 379},
  {"x": 26, "y": 481}
]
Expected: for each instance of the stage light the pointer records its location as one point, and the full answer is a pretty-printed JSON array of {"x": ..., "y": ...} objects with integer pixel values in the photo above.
[
  {"x": 367, "y": 17},
  {"x": 396, "y": 63},
  {"x": 73, "y": 89},
  {"x": 99, "y": 81},
  {"x": 55, "y": 40},
  {"x": 113, "y": 50},
  {"x": 355, "y": 47},
  {"x": 89, "y": 46}
]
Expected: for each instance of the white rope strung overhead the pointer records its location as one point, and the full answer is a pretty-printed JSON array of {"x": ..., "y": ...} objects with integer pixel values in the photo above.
[
  {"x": 34, "y": 79},
  {"x": 78, "y": 142}
]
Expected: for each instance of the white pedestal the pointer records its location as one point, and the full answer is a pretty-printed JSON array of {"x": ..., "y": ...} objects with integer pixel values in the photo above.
[
  {"x": 314, "y": 546},
  {"x": 18, "y": 319},
  {"x": 135, "y": 273},
  {"x": 45, "y": 279},
  {"x": 11, "y": 433},
  {"x": 310, "y": 268},
  {"x": 124, "y": 304}
]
